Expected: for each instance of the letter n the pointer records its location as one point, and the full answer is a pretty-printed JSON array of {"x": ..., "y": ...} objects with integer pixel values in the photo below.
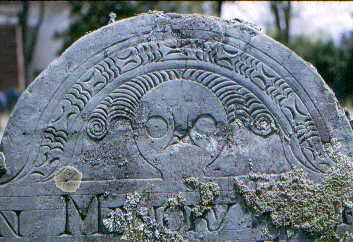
[{"x": 10, "y": 223}]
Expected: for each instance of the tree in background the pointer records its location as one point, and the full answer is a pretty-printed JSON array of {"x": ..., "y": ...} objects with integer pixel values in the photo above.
[
  {"x": 282, "y": 12},
  {"x": 218, "y": 8},
  {"x": 328, "y": 58},
  {"x": 347, "y": 43},
  {"x": 29, "y": 36},
  {"x": 88, "y": 16},
  {"x": 334, "y": 62},
  {"x": 348, "y": 69}
]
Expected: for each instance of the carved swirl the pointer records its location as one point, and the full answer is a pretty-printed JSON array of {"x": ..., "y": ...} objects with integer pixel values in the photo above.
[
  {"x": 240, "y": 103},
  {"x": 263, "y": 125},
  {"x": 97, "y": 128}
]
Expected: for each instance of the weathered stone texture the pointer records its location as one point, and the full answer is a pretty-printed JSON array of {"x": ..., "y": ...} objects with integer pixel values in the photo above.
[{"x": 169, "y": 109}]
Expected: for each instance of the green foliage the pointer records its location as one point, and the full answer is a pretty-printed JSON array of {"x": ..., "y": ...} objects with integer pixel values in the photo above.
[
  {"x": 209, "y": 192},
  {"x": 89, "y": 16},
  {"x": 348, "y": 74},
  {"x": 134, "y": 223},
  {"x": 333, "y": 61},
  {"x": 328, "y": 58}
]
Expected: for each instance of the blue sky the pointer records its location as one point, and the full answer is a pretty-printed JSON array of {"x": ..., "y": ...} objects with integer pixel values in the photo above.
[{"x": 317, "y": 19}]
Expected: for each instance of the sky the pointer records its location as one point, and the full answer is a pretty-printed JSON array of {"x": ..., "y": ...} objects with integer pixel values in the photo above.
[{"x": 326, "y": 19}]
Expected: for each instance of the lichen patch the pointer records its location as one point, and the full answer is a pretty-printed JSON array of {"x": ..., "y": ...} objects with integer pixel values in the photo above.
[
  {"x": 209, "y": 192},
  {"x": 68, "y": 179},
  {"x": 296, "y": 203},
  {"x": 133, "y": 222}
]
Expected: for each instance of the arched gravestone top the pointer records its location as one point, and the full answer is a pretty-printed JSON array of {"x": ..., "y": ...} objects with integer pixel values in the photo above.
[{"x": 152, "y": 100}]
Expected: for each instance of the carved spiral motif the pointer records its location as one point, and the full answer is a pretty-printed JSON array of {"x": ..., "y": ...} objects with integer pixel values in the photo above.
[
  {"x": 97, "y": 128},
  {"x": 263, "y": 125}
]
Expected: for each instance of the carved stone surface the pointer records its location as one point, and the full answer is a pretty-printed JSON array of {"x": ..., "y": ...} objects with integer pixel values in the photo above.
[{"x": 144, "y": 103}]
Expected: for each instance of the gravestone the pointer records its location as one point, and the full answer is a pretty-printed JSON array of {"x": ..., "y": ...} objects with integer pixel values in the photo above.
[{"x": 170, "y": 126}]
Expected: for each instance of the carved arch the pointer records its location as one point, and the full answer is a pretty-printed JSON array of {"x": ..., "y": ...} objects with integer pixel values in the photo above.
[{"x": 238, "y": 101}]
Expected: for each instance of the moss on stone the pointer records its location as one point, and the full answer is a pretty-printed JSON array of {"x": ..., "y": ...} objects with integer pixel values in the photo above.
[
  {"x": 209, "y": 191},
  {"x": 294, "y": 202},
  {"x": 133, "y": 223},
  {"x": 176, "y": 201}
]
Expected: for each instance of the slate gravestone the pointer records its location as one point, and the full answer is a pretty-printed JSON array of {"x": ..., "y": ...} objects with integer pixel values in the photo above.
[{"x": 141, "y": 128}]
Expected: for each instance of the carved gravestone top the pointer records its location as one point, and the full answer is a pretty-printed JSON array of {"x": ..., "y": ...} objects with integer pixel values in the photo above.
[{"x": 162, "y": 117}]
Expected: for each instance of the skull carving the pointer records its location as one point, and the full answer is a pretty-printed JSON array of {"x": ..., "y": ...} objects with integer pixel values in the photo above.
[{"x": 175, "y": 128}]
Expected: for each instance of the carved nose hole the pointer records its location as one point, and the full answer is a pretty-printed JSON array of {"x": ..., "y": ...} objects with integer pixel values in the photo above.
[
  {"x": 180, "y": 133},
  {"x": 2, "y": 164}
]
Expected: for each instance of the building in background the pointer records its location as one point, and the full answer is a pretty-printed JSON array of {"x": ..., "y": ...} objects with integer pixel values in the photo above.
[
  {"x": 55, "y": 19},
  {"x": 9, "y": 75}
]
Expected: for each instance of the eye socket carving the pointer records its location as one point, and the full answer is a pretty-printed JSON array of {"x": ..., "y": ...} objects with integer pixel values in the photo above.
[
  {"x": 205, "y": 124},
  {"x": 156, "y": 127}
]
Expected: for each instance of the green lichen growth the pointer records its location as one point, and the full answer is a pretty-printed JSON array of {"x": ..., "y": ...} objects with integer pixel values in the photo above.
[
  {"x": 176, "y": 201},
  {"x": 296, "y": 203},
  {"x": 133, "y": 223},
  {"x": 209, "y": 192}
]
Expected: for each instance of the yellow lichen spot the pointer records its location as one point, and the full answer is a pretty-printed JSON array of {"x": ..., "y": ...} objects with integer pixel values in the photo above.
[{"x": 68, "y": 179}]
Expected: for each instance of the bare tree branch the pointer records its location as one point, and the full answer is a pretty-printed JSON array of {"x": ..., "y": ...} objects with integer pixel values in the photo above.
[
  {"x": 34, "y": 35},
  {"x": 275, "y": 11},
  {"x": 282, "y": 14},
  {"x": 287, "y": 18},
  {"x": 219, "y": 8},
  {"x": 29, "y": 38}
]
